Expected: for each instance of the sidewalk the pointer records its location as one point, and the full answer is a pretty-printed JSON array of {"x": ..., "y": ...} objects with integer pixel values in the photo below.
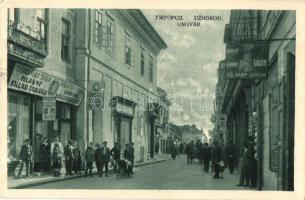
[{"x": 48, "y": 178}]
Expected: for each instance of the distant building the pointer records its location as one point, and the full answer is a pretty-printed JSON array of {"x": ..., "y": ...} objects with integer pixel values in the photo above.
[
  {"x": 162, "y": 132},
  {"x": 191, "y": 133}
]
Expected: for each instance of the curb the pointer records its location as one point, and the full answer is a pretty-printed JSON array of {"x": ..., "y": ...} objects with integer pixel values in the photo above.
[{"x": 58, "y": 179}]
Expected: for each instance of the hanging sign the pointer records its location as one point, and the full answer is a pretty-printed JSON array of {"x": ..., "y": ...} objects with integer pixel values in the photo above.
[
  {"x": 49, "y": 108},
  {"x": 96, "y": 95},
  {"x": 246, "y": 61},
  {"x": 36, "y": 82}
]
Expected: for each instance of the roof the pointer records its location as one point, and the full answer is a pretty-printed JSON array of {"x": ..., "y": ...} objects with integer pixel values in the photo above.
[{"x": 141, "y": 20}]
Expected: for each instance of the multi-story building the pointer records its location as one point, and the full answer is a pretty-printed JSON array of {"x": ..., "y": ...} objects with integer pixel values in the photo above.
[
  {"x": 163, "y": 119},
  {"x": 82, "y": 74},
  {"x": 175, "y": 134},
  {"x": 116, "y": 53},
  {"x": 43, "y": 97},
  {"x": 191, "y": 133},
  {"x": 262, "y": 106}
]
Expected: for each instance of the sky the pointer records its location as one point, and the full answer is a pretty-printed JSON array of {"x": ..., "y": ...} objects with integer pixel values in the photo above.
[{"x": 187, "y": 69}]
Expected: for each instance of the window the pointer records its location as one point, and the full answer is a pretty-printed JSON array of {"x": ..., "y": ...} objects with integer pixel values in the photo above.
[
  {"x": 151, "y": 68},
  {"x": 142, "y": 62},
  {"x": 13, "y": 14},
  {"x": 110, "y": 36},
  {"x": 65, "y": 41},
  {"x": 129, "y": 53},
  {"x": 98, "y": 28},
  {"x": 41, "y": 23}
]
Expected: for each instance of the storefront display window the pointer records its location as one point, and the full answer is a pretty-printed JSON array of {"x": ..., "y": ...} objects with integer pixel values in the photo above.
[{"x": 18, "y": 123}]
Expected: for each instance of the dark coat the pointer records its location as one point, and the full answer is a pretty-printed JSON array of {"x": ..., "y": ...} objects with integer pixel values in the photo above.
[
  {"x": 98, "y": 154},
  {"x": 26, "y": 153},
  {"x": 116, "y": 152},
  {"x": 127, "y": 154},
  {"x": 89, "y": 154},
  {"x": 216, "y": 154},
  {"x": 68, "y": 151},
  {"x": 206, "y": 153},
  {"x": 189, "y": 150},
  {"x": 230, "y": 152},
  {"x": 105, "y": 154}
]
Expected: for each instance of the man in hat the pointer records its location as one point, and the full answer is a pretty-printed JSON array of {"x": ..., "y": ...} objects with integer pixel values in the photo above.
[
  {"x": 68, "y": 151},
  {"x": 105, "y": 158},
  {"x": 116, "y": 156},
  {"x": 97, "y": 157},
  {"x": 26, "y": 156},
  {"x": 131, "y": 151}
]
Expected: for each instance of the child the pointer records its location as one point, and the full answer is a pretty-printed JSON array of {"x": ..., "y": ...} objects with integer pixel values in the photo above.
[
  {"x": 89, "y": 157},
  {"x": 57, "y": 160}
]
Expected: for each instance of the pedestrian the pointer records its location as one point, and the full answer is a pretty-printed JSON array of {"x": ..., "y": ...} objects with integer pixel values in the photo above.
[
  {"x": 181, "y": 148},
  {"x": 97, "y": 157},
  {"x": 199, "y": 148},
  {"x": 206, "y": 156},
  {"x": 252, "y": 167},
  {"x": 116, "y": 156},
  {"x": 189, "y": 152},
  {"x": 105, "y": 158},
  {"x": 44, "y": 155},
  {"x": 68, "y": 151},
  {"x": 216, "y": 156},
  {"x": 173, "y": 151},
  {"x": 230, "y": 154},
  {"x": 77, "y": 158},
  {"x": 55, "y": 141},
  {"x": 157, "y": 148},
  {"x": 36, "y": 154},
  {"x": 131, "y": 146},
  {"x": 244, "y": 172},
  {"x": 26, "y": 156},
  {"x": 57, "y": 160},
  {"x": 89, "y": 158},
  {"x": 126, "y": 164}
]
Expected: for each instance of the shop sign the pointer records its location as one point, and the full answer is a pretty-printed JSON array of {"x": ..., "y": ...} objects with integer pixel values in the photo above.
[
  {"x": 124, "y": 109},
  {"x": 38, "y": 83},
  {"x": 49, "y": 108},
  {"x": 96, "y": 95},
  {"x": 247, "y": 61}
]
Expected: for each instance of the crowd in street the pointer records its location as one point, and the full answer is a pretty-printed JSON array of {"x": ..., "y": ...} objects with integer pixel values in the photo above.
[
  {"x": 216, "y": 158},
  {"x": 53, "y": 156}
]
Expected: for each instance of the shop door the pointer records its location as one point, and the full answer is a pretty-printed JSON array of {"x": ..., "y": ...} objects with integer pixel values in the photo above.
[{"x": 125, "y": 131}]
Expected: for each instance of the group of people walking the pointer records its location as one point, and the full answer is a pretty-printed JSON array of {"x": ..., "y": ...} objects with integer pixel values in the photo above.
[
  {"x": 54, "y": 156},
  {"x": 220, "y": 157}
]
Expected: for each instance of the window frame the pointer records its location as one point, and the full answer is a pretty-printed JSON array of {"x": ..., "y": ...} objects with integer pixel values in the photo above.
[
  {"x": 131, "y": 55},
  {"x": 110, "y": 34},
  {"x": 98, "y": 27},
  {"x": 151, "y": 64},
  {"x": 142, "y": 61},
  {"x": 68, "y": 37}
]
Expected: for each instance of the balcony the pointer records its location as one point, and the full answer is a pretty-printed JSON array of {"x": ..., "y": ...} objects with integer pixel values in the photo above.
[{"x": 26, "y": 44}]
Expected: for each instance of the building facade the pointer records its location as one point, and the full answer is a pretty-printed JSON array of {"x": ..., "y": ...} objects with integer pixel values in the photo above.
[
  {"x": 262, "y": 107},
  {"x": 82, "y": 74},
  {"x": 43, "y": 97},
  {"x": 117, "y": 51},
  {"x": 192, "y": 133},
  {"x": 163, "y": 132}
]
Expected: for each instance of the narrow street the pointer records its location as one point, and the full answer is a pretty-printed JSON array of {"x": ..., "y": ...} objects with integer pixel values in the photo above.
[{"x": 171, "y": 174}]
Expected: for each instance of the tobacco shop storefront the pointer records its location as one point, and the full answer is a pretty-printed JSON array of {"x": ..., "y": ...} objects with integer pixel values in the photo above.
[{"x": 40, "y": 106}]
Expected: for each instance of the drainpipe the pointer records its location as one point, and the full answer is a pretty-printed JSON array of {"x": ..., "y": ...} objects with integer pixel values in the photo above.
[{"x": 88, "y": 74}]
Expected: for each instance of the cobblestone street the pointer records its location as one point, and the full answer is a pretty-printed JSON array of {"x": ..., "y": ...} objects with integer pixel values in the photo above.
[{"x": 172, "y": 174}]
